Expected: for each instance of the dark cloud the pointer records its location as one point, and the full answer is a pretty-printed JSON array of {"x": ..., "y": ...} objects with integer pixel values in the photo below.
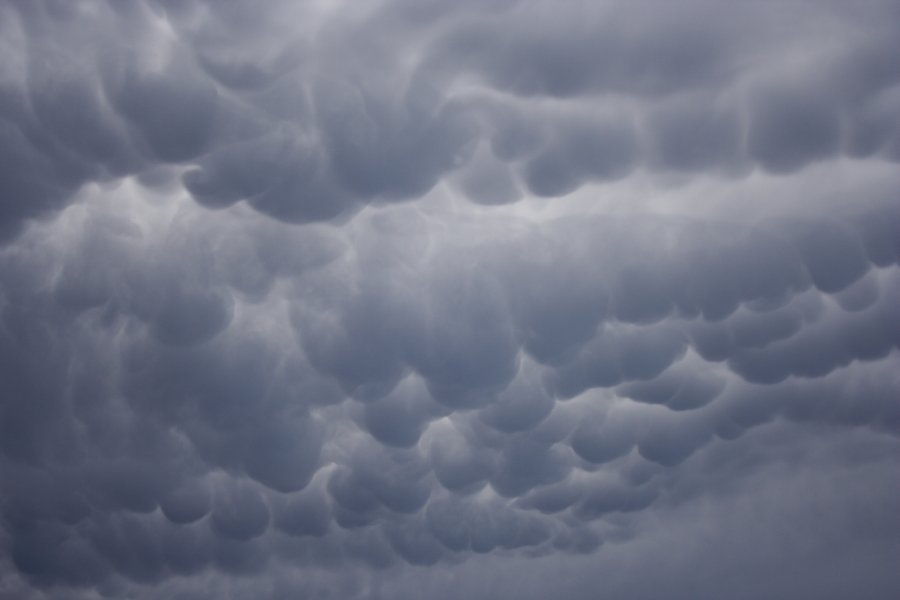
[{"x": 483, "y": 299}]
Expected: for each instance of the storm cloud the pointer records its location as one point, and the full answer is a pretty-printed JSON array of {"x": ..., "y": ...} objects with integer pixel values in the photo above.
[{"x": 483, "y": 299}]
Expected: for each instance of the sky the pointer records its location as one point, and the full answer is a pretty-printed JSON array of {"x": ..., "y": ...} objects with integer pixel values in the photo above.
[{"x": 430, "y": 299}]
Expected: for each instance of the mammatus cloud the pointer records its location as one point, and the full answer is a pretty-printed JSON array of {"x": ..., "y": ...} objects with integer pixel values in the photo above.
[{"x": 495, "y": 299}]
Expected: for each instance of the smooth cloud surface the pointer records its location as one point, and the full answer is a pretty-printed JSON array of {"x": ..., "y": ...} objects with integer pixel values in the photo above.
[{"x": 486, "y": 299}]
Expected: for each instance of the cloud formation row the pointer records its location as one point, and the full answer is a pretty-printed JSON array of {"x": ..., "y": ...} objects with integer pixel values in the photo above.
[{"x": 381, "y": 103}]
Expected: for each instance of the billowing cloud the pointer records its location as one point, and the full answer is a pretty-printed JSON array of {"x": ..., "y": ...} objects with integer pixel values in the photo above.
[{"x": 494, "y": 299}]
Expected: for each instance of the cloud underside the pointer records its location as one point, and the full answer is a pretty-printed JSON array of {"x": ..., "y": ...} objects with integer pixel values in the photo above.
[{"x": 488, "y": 299}]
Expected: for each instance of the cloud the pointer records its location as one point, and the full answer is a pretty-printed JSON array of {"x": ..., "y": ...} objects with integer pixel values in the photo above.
[{"x": 493, "y": 299}]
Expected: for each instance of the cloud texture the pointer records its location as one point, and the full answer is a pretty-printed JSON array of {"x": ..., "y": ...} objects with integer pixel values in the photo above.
[{"x": 483, "y": 299}]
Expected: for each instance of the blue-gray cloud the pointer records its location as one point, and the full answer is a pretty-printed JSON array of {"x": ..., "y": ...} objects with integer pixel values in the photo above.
[{"x": 495, "y": 299}]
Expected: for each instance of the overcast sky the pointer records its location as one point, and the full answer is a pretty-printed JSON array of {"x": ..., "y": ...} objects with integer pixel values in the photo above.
[{"x": 439, "y": 299}]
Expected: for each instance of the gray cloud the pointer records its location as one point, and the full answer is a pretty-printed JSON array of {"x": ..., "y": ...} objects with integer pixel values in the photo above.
[{"x": 484, "y": 299}]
